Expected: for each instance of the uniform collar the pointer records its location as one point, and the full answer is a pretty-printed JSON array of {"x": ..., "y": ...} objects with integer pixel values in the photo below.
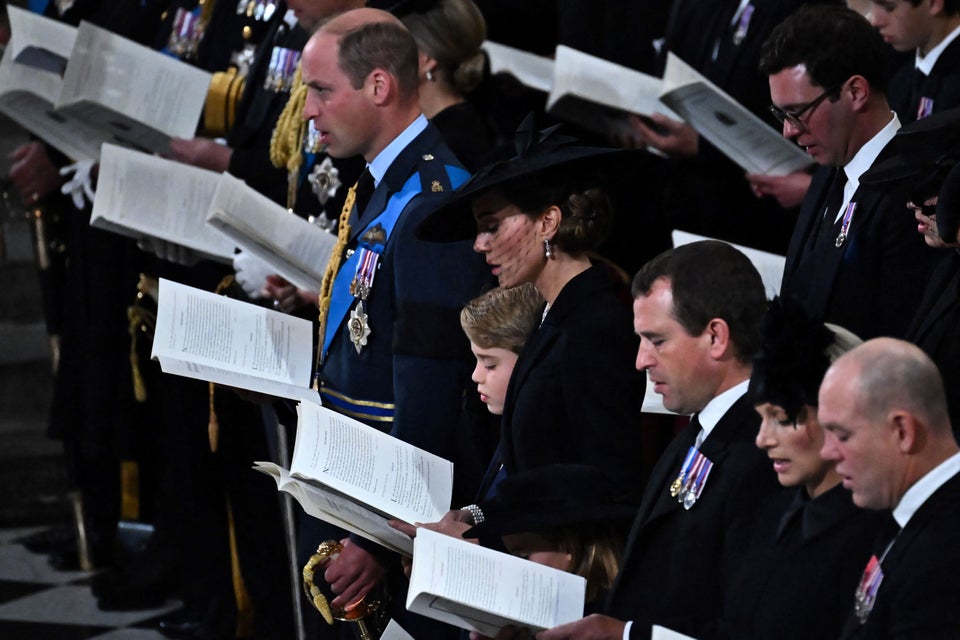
[{"x": 379, "y": 165}]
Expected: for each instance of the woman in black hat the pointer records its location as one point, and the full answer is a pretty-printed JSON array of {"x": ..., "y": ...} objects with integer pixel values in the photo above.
[
  {"x": 575, "y": 395},
  {"x": 811, "y": 546}
]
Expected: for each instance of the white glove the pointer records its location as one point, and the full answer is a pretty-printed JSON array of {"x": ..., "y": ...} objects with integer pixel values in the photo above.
[
  {"x": 251, "y": 273},
  {"x": 79, "y": 184}
]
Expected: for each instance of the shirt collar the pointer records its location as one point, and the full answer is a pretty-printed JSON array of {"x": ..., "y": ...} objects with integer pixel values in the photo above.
[
  {"x": 718, "y": 407},
  {"x": 925, "y": 64},
  {"x": 382, "y": 161},
  {"x": 925, "y": 487},
  {"x": 867, "y": 154}
]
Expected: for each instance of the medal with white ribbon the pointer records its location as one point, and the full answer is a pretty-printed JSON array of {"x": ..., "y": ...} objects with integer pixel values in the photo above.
[{"x": 845, "y": 225}]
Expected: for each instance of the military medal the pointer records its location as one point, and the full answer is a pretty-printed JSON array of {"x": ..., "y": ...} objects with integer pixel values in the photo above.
[
  {"x": 360, "y": 288},
  {"x": 867, "y": 589},
  {"x": 186, "y": 34},
  {"x": 677, "y": 484},
  {"x": 743, "y": 25},
  {"x": 845, "y": 226},
  {"x": 696, "y": 479},
  {"x": 283, "y": 66},
  {"x": 359, "y": 327},
  {"x": 925, "y": 108}
]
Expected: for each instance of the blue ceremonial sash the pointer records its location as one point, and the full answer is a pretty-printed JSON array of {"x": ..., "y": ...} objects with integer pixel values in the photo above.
[{"x": 340, "y": 297}]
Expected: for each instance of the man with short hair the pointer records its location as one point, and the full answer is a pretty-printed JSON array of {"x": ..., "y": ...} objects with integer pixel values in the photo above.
[
  {"x": 697, "y": 309},
  {"x": 930, "y": 83},
  {"x": 391, "y": 350},
  {"x": 885, "y": 414},
  {"x": 853, "y": 259}
]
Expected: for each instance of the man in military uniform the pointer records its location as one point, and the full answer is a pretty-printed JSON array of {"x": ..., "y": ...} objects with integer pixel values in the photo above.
[{"x": 391, "y": 350}]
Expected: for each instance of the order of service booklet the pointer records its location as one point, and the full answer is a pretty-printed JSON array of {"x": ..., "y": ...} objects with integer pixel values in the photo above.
[
  {"x": 483, "y": 590},
  {"x": 599, "y": 95},
  {"x": 210, "y": 337},
  {"x": 356, "y": 477},
  {"x": 142, "y": 195},
  {"x": 76, "y": 88},
  {"x": 296, "y": 249},
  {"x": 729, "y": 126}
]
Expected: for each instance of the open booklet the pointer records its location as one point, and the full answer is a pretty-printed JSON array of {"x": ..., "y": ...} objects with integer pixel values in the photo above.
[
  {"x": 210, "y": 337},
  {"x": 356, "y": 477},
  {"x": 530, "y": 69},
  {"x": 598, "y": 94},
  {"x": 729, "y": 126},
  {"x": 77, "y": 88},
  {"x": 296, "y": 249},
  {"x": 483, "y": 590},
  {"x": 143, "y": 195}
]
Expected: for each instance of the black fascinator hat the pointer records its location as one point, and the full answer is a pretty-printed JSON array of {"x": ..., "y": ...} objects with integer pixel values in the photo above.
[
  {"x": 535, "y": 152},
  {"x": 791, "y": 363}
]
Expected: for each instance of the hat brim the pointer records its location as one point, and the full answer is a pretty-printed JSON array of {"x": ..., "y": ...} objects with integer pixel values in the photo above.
[{"x": 453, "y": 220}]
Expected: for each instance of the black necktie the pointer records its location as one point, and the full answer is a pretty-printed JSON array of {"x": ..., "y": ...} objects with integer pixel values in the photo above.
[{"x": 364, "y": 191}]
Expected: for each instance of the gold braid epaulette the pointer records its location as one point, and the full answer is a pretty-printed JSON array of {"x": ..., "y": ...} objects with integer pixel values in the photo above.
[{"x": 286, "y": 143}]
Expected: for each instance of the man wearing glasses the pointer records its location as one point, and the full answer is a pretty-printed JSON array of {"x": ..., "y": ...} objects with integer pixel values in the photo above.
[{"x": 853, "y": 259}]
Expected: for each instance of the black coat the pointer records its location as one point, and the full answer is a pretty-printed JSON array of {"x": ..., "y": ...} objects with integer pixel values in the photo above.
[
  {"x": 935, "y": 328},
  {"x": 575, "y": 395},
  {"x": 942, "y": 86},
  {"x": 869, "y": 284},
  {"x": 814, "y": 553},
  {"x": 676, "y": 561},
  {"x": 918, "y": 597}
]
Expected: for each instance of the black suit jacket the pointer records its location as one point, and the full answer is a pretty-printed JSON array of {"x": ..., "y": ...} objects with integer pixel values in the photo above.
[
  {"x": 676, "y": 561},
  {"x": 942, "y": 86},
  {"x": 935, "y": 328},
  {"x": 869, "y": 284},
  {"x": 575, "y": 395},
  {"x": 918, "y": 597}
]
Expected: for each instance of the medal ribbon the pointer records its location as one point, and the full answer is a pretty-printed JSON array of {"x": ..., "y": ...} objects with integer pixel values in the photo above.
[
  {"x": 340, "y": 297},
  {"x": 366, "y": 270},
  {"x": 694, "y": 493},
  {"x": 743, "y": 25},
  {"x": 845, "y": 225},
  {"x": 925, "y": 108}
]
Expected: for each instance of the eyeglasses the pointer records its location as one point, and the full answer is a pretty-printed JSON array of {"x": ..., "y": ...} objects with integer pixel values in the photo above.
[{"x": 793, "y": 116}]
